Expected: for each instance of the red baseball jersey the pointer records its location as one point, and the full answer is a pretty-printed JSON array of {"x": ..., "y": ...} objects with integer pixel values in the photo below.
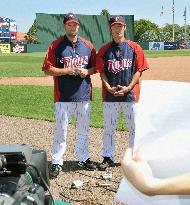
[
  {"x": 62, "y": 53},
  {"x": 119, "y": 62}
]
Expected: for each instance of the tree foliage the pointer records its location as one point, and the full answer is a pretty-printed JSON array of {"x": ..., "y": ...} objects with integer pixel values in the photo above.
[
  {"x": 169, "y": 28},
  {"x": 146, "y": 31},
  {"x": 143, "y": 26},
  {"x": 164, "y": 37},
  {"x": 104, "y": 12},
  {"x": 31, "y": 36},
  {"x": 149, "y": 36},
  {"x": 179, "y": 32}
]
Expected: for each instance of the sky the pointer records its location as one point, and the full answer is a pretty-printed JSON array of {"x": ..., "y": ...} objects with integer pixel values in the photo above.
[{"x": 24, "y": 11}]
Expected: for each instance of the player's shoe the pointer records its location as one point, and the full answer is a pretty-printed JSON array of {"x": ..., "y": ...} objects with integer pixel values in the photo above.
[
  {"x": 88, "y": 164},
  {"x": 107, "y": 162},
  {"x": 55, "y": 170}
]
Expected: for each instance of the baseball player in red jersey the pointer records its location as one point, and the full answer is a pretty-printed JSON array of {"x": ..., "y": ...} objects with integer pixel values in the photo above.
[
  {"x": 71, "y": 60},
  {"x": 120, "y": 64}
]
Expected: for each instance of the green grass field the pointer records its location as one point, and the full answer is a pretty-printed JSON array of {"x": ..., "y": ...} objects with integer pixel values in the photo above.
[
  {"x": 21, "y": 65},
  {"x": 166, "y": 53},
  {"x": 36, "y": 101},
  {"x": 29, "y": 64}
]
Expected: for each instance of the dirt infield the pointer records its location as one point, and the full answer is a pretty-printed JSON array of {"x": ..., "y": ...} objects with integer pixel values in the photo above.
[
  {"x": 39, "y": 135},
  {"x": 166, "y": 68}
]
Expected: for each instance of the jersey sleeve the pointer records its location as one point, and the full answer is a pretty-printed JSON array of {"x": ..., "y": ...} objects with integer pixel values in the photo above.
[
  {"x": 100, "y": 61},
  {"x": 50, "y": 59},
  {"x": 93, "y": 57},
  {"x": 100, "y": 58},
  {"x": 141, "y": 63}
]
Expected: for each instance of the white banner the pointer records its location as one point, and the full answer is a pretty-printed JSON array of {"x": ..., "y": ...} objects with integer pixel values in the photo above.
[{"x": 163, "y": 135}]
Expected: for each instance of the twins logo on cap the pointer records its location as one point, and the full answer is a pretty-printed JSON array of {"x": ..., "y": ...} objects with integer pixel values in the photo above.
[
  {"x": 117, "y": 20},
  {"x": 71, "y": 15},
  {"x": 69, "y": 18}
]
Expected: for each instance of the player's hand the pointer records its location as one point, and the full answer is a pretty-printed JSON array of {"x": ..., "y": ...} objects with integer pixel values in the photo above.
[
  {"x": 82, "y": 72},
  {"x": 112, "y": 90},
  {"x": 121, "y": 90},
  {"x": 71, "y": 71}
]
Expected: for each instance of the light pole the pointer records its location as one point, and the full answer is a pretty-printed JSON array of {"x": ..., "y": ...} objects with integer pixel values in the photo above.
[
  {"x": 185, "y": 18},
  {"x": 173, "y": 10}
]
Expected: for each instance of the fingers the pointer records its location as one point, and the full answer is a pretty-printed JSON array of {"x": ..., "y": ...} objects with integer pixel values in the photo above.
[
  {"x": 72, "y": 73},
  {"x": 119, "y": 87},
  {"x": 112, "y": 90},
  {"x": 82, "y": 72},
  {"x": 119, "y": 93},
  {"x": 82, "y": 75},
  {"x": 137, "y": 156},
  {"x": 75, "y": 71},
  {"x": 121, "y": 90},
  {"x": 131, "y": 154},
  {"x": 128, "y": 154},
  {"x": 78, "y": 70}
]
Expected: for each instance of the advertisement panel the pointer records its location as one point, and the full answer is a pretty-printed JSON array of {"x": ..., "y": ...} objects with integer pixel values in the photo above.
[
  {"x": 4, "y": 25},
  {"x": 18, "y": 48},
  {"x": 171, "y": 45},
  {"x": 4, "y": 39},
  {"x": 4, "y": 48},
  {"x": 156, "y": 45},
  {"x": 13, "y": 36},
  {"x": 13, "y": 26}
]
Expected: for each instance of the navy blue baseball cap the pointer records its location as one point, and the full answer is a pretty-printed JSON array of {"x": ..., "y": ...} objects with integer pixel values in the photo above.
[
  {"x": 117, "y": 20},
  {"x": 70, "y": 18}
]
